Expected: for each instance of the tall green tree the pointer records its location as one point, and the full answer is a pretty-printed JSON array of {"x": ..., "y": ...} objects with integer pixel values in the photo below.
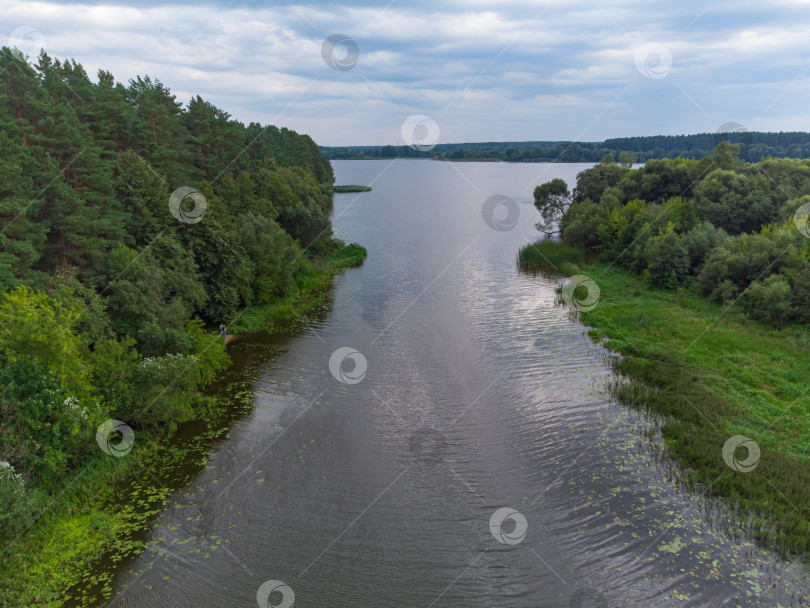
[
  {"x": 735, "y": 202},
  {"x": 552, "y": 200},
  {"x": 21, "y": 237},
  {"x": 166, "y": 143}
]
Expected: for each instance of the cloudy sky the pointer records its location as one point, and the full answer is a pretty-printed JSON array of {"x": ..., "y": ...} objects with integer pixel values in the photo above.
[{"x": 482, "y": 71}]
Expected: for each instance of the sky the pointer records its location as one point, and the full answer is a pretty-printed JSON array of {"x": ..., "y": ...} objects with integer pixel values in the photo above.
[{"x": 398, "y": 72}]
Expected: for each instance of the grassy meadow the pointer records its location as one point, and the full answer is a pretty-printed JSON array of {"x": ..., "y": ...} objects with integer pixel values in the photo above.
[{"x": 711, "y": 373}]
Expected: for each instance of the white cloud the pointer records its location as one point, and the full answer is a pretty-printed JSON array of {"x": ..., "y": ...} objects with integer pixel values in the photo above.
[{"x": 533, "y": 71}]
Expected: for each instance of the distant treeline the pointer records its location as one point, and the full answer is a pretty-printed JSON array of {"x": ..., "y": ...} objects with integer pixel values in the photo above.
[{"x": 753, "y": 147}]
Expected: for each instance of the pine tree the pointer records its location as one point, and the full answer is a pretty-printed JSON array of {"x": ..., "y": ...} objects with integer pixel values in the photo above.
[
  {"x": 112, "y": 118},
  {"x": 167, "y": 143},
  {"x": 21, "y": 239},
  {"x": 24, "y": 101}
]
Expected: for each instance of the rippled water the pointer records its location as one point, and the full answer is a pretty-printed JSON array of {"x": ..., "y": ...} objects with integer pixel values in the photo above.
[{"x": 482, "y": 401}]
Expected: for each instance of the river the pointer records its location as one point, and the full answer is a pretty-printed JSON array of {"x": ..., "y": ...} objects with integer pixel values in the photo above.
[{"x": 465, "y": 454}]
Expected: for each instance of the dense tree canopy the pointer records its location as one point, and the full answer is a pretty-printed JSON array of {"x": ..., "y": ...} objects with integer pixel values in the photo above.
[
  {"x": 105, "y": 290},
  {"x": 719, "y": 224}
]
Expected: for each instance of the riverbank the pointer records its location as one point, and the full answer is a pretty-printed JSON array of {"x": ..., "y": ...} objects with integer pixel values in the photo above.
[
  {"x": 101, "y": 513},
  {"x": 711, "y": 374},
  {"x": 73, "y": 530},
  {"x": 311, "y": 293}
]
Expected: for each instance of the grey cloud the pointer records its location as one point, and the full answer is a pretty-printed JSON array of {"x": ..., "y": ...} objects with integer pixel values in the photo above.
[{"x": 534, "y": 70}]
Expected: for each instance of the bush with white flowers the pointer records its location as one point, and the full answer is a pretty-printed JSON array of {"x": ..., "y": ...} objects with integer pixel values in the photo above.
[
  {"x": 14, "y": 502},
  {"x": 10, "y": 480}
]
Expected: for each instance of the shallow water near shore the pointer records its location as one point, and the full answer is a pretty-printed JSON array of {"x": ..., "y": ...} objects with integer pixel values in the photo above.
[{"x": 478, "y": 461}]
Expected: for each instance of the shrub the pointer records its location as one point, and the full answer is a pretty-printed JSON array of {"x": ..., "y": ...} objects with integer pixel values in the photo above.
[
  {"x": 154, "y": 340},
  {"x": 668, "y": 261},
  {"x": 308, "y": 223},
  {"x": 113, "y": 365},
  {"x": 700, "y": 240},
  {"x": 801, "y": 295},
  {"x": 790, "y": 207},
  {"x": 724, "y": 292},
  {"x": 274, "y": 253},
  {"x": 164, "y": 388},
  {"x": 618, "y": 231},
  {"x": 741, "y": 259},
  {"x": 580, "y": 224},
  {"x": 735, "y": 202},
  {"x": 15, "y": 504},
  {"x": 593, "y": 182},
  {"x": 768, "y": 301},
  {"x": 50, "y": 429},
  {"x": 661, "y": 179}
]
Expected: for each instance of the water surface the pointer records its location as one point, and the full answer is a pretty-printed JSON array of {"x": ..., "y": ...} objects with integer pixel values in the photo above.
[{"x": 480, "y": 394}]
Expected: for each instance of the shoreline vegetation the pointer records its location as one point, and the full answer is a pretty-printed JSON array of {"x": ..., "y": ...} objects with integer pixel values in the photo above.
[
  {"x": 351, "y": 188},
  {"x": 754, "y": 145},
  {"x": 105, "y": 515},
  {"x": 291, "y": 313},
  {"x": 696, "y": 274},
  {"x": 133, "y": 222},
  {"x": 742, "y": 378}
]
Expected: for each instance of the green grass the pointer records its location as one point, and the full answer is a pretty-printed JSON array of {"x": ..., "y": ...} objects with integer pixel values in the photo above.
[
  {"x": 549, "y": 255},
  {"x": 73, "y": 530},
  {"x": 712, "y": 373},
  {"x": 310, "y": 298},
  {"x": 350, "y": 256},
  {"x": 352, "y": 188},
  {"x": 100, "y": 512},
  {"x": 100, "y": 515}
]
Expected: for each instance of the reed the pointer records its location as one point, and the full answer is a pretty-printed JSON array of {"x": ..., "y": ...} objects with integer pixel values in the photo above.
[{"x": 550, "y": 256}]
